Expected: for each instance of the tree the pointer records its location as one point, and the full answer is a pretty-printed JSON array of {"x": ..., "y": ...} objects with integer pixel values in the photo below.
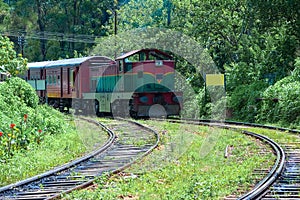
[
  {"x": 9, "y": 62},
  {"x": 58, "y": 19},
  {"x": 4, "y": 14}
]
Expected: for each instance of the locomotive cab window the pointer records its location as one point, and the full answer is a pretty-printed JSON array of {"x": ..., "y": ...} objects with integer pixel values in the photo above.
[
  {"x": 121, "y": 66},
  {"x": 159, "y": 63},
  {"x": 142, "y": 56}
]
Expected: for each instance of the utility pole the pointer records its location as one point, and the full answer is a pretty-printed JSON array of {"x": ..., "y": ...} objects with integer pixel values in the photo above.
[
  {"x": 21, "y": 42},
  {"x": 115, "y": 28},
  {"x": 168, "y": 4}
]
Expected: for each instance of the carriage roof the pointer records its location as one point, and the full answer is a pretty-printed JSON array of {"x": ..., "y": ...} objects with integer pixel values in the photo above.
[
  {"x": 64, "y": 63},
  {"x": 155, "y": 52}
]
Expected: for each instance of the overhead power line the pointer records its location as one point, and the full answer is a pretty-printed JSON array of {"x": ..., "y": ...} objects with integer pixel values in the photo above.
[{"x": 54, "y": 36}]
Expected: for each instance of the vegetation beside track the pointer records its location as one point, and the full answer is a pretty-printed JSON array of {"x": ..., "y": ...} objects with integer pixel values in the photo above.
[
  {"x": 180, "y": 169},
  {"x": 54, "y": 150},
  {"x": 278, "y": 136},
  {"x": 35, "y": 138},
  {"x": 22, "y": 121}
]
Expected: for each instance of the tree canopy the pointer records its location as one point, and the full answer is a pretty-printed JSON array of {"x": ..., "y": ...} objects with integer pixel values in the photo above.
[{"x": 10, "y": 62}]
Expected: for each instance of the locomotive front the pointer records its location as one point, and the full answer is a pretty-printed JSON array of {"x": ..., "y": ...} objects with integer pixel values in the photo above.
[{"x": 148, "y": 76}]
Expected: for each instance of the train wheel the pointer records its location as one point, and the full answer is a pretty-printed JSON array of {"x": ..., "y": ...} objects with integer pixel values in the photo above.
[
  {"x": 76, "y": 105},
  {"x": 133, "y": 114}
]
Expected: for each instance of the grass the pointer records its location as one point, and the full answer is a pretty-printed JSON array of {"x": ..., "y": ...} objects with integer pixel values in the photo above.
[
  {"x": 55, "y": 150},
  {"x": 279, "y": 136},
  {"x": 188, "y": 164}
]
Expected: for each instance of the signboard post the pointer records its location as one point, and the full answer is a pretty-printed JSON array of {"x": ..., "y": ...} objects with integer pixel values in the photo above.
[{"x": 215, "y": 80}]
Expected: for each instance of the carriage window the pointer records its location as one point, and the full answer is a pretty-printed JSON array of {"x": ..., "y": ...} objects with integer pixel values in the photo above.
[
  {"x": 53, "y": 80},
  {"x": 49, "y": 80}
]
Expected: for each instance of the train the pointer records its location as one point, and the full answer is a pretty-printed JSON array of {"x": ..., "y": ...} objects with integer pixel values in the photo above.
[{"x": 139, "y": 83}]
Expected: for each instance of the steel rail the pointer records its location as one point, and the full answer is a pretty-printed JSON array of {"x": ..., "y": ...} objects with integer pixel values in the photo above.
[
  {"x": 66, "y": 166},
  {"x": 86, "y": 184},
  {"x": 110, "y": 148},
  {"x": 274, "y": 173},
  {"x": 260, "y": 189}
]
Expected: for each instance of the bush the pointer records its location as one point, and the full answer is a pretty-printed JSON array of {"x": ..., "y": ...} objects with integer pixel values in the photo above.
[
  {"x": 17, "y": 89},
  {"x": 286, "y": 110},
  {"x": 244, "y": 101},
  {"x": 22, "y": 120}
]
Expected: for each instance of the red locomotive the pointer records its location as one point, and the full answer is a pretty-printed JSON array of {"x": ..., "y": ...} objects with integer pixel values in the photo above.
[{"x": 139, "y": 83}]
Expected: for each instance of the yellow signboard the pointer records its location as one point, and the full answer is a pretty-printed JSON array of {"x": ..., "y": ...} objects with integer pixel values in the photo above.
[{"x": 215, "y": 79}]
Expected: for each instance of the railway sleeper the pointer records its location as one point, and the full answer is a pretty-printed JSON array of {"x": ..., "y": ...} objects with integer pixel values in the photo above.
[
  {"x": 41, "y": 192},
  {"x": 99, "y": 166},
  {"x": 94, "y": 170},
  {"x": 110, "y": 161},
  {"x": 285, "y": 196},
  {"x": 285, "y": 190},
  {"x": 117, "y": 156},
  {"x": 63, "y": 181},
  {"x": 276, "y": 198},
  {"x": 28, "y": 198},
  {"x": 123, "y": 152},
  {"x": 143, "y": 148},
  {"x": 60, "y": 184}
]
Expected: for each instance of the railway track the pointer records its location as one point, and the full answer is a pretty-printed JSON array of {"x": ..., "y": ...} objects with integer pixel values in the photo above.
[
  {"x": 127, "y": 142},
  {"x": 280, "y": 182},
  {"x": 285, "y": 183},
  {"x": 287, "y": 186}
]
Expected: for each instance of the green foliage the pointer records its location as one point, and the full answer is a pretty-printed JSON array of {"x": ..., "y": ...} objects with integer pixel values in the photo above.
[
  {"x": 4, "y": 14},
  {"x": 16, "y": 89},
  {"x": 9, "y": 62},
  {"x": 22, "y": 120},
  {"x": 296, "y": 72},
  {"x": 53, "y": 150},
  {"x": 244, "y": 101},
  {"x": 286, "y": 110},
  {"x": 142, "y": 14},
  {"x": 81, "y": 18}
]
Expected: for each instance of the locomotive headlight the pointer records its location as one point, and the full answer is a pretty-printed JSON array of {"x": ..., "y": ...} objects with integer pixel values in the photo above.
[{"x": 144, "y": 99}]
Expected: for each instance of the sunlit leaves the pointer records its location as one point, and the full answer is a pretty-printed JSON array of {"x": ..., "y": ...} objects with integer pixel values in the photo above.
[{"x": 10, "y": 62}]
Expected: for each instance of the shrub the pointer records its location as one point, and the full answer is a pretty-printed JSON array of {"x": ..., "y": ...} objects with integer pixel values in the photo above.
[
  {"x": 22, "y": 120},
  {"x": 17, "y": 89},
  {"x": 286, "y": 110},
  {"x": 244, "y": 101}
]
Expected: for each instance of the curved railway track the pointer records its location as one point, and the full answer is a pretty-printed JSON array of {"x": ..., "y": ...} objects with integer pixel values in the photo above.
[
  {"x": 127, "y": 142},
  {"x": 280, "y": 182},
  {"x": 285, "y": 182}
]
